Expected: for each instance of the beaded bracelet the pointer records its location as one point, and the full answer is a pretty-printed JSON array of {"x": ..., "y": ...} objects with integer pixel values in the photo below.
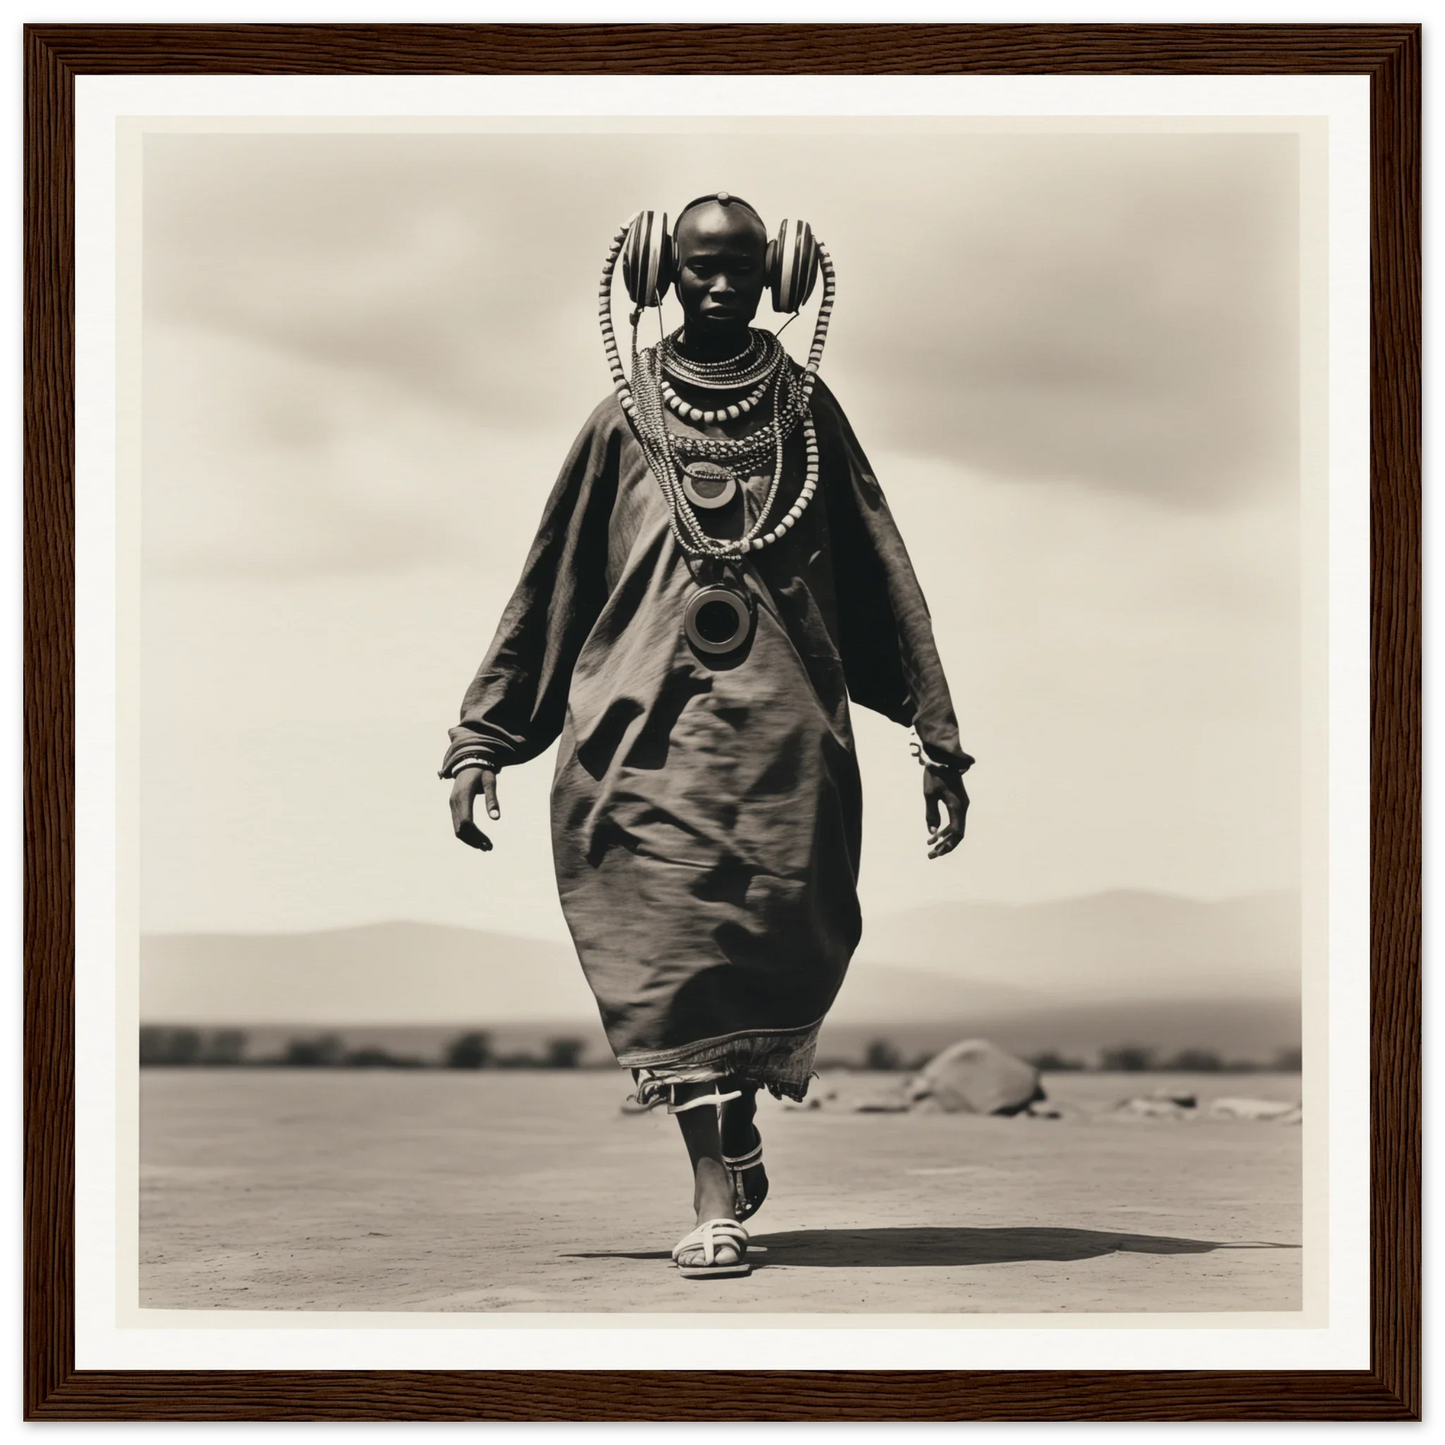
[
  {"x": 915, "y": 746},
  {"x": 462, "y": 764}
]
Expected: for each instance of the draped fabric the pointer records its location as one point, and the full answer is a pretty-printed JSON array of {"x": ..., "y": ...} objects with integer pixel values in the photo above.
[{"x": 706, "y": 810}]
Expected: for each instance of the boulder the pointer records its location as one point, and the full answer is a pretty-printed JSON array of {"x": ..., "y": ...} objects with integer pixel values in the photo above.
[
  {"x": 975, "y": 1076},
  {"x": 1153, "y": 1106},
  {"x": 1044, "y": 1109},
  {"x": 1184, "y": 1101},
  {"x": 1256, "y": 1110}
]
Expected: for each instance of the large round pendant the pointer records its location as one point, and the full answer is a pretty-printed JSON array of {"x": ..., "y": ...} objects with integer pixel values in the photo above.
[
  {"x": 717, "y": 620},
  {"x": 708, "y": 485}
]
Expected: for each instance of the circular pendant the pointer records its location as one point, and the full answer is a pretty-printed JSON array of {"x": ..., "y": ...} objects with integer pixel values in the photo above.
[
  {"x": 708, "y": 485},
  {"x": 717, "y": 620}
]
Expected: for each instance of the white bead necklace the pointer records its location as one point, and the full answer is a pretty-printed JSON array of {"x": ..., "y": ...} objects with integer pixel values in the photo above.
[
  {"x": 659, "y": 450},
  {"x": 730, "y": 411}
]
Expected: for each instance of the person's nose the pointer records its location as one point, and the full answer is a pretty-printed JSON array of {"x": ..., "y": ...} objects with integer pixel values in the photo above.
[{"x": 722, "y": 285}]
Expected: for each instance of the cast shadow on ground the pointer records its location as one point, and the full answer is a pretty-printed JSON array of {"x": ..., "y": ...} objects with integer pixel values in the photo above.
[{"x": 948, "y": 1245}]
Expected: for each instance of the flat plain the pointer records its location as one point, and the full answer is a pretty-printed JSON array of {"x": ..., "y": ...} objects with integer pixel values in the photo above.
[{"x": 450, "y": 1190}]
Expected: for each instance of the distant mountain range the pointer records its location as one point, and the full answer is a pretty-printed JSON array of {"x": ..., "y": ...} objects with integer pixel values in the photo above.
[
  {"x": 964, "y": 962},
  {"x": 1120, "y": 945},
  {"x": 403, "y": 973}
]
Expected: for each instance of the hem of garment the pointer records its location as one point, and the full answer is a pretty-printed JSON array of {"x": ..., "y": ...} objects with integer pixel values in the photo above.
[{"x": 778, "y": 1060}]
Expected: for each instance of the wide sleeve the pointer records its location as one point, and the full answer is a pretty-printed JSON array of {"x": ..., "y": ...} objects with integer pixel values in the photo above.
[
  {"x": 517, "y": 702},
  {"x": 885, "y": 632}
]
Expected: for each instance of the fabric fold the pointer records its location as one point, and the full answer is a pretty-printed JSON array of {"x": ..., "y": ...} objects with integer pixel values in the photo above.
[{"x": 707, "y": 810}]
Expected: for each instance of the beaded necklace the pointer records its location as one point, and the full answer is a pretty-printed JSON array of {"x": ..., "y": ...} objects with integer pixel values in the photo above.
[
  {"x": 731, "y": 411},
  {"x": 657, "y": 446},
  {"x": 754, "y": 363},
  {"x": 669, "y": 454}
]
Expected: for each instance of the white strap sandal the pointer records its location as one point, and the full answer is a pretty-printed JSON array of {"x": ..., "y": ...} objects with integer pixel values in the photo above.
[
  {"x": 709, "y": 1236},
  {"x": 716, "y": 1099}
]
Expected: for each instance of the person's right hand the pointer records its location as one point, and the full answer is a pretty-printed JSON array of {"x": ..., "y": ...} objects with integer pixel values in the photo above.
[{"x": 465, "y": 787}]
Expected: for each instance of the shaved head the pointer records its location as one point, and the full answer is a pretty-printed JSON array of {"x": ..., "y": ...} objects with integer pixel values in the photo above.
[
  {"x": 721, "y": 248},
  {"x": 732, "y": 220}
]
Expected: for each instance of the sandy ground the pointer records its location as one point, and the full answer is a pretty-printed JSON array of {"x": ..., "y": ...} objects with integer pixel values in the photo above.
[{"x": 318, "y": 1190}]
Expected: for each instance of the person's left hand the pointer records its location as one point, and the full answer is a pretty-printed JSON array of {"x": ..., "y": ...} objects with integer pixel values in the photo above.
[{"x": 943, "y": 789}]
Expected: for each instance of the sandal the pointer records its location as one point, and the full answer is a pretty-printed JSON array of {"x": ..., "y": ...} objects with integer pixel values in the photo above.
[
  {"x": 744, "y": 1204},
  {"x": 709, "y": 1236},
  {"x": 716, "y": 1099}
]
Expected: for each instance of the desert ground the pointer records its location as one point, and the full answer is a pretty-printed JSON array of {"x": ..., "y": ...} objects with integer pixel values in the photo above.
[{"x": 445, "y": 1190}]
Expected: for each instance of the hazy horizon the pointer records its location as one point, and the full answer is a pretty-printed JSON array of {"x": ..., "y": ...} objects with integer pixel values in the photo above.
[
  {"x": 934, "y": 961},
  {"x": 874, "y": 916}
]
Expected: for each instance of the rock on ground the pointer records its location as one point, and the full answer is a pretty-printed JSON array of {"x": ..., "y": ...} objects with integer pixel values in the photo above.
[
  {"x": 1274, "y": 1110},
  {"x": 975, "y": 1076}
]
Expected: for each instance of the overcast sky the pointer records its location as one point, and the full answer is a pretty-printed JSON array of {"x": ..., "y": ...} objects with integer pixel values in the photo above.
[{"x": 1071, "y": 358}]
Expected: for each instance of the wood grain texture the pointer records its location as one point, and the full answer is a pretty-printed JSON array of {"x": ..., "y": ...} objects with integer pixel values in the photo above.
[
  {"x": 1395, "y": 723},
  {"x": 719, "y": 49},
  {"x": 49, "y": 661},
  {"x": 54, "y": 56}
]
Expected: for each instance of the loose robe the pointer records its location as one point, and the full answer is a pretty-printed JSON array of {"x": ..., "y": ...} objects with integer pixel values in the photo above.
[{"x": 706, "y": 810}]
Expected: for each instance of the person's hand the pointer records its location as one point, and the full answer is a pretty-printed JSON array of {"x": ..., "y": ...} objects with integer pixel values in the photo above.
[
  {"x": 465, "y": 787},
  {"x": 943, "y": 789}
]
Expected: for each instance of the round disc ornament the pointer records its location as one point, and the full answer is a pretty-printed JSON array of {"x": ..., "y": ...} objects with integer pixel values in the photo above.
[
  {"x": 708, "y": 485},
  {"x": 717, "y": 620}
]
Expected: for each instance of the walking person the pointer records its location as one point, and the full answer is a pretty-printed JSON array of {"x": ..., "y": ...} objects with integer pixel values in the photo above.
[{"x": 716, "y": 574}]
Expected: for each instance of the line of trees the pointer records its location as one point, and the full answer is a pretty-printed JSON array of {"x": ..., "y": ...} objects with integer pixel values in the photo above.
[
  {"x": 883, "y": 1055},
  {"x": 475, "y": 1049},
  {"x": 163, "y": 1047},
  {"x": 1134, "y": 1058},
  {"x": 192, "y": 1046}
]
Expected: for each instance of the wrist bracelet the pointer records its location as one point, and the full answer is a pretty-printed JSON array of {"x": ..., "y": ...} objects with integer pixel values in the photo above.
[
  {"x": 462, "y": 764},
  {"x": 915, "y": 746}
]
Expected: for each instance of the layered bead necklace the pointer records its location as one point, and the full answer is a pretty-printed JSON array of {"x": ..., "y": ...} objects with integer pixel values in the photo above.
[
  {"x": 695, "y": 470},
  {"x": 754, "y": 363}
]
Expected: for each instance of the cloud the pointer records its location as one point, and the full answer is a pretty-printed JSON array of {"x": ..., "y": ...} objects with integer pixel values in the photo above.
[
  {"x": 1115, "y": 310},
  {"x": 1071, "y": 357},
  {"x": 403, "y": 261},
  {"x": 262, "y": 461},
  {"x": 351, "y": 339}
]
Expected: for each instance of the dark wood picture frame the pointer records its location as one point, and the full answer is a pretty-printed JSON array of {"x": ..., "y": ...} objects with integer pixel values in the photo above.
[{"x": 1389, "y": 55}]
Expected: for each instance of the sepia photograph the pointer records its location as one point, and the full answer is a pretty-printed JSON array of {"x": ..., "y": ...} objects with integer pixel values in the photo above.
[{"x": 728, "y": 715}]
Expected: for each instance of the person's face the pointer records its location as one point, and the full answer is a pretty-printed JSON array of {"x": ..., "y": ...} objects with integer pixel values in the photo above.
[{"x": 720, "y": 254}]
